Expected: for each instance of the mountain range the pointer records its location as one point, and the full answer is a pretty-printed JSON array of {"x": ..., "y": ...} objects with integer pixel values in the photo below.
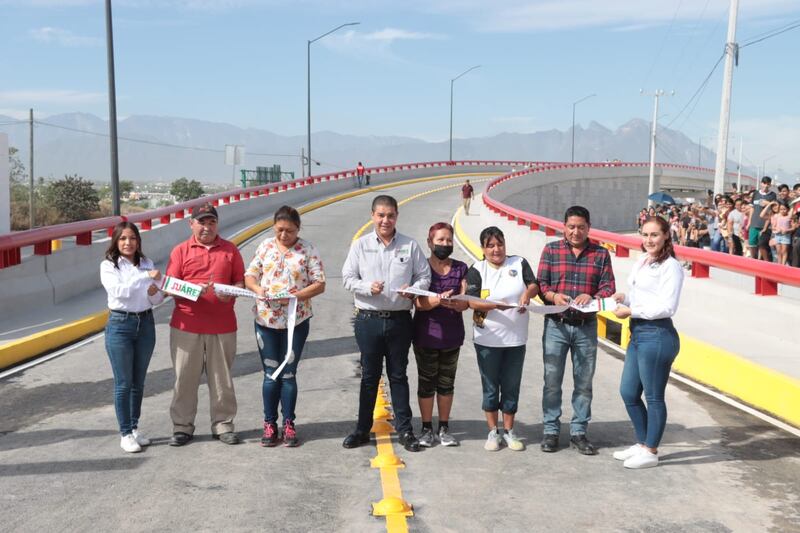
[{"x": 165, "y": 148}]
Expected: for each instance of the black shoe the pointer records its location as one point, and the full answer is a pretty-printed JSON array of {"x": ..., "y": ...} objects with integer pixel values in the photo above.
[
  {"x": 550, "y": 443},
  {"x": 355, "y": 439},
  {"x": 409, "y": 441},
  {"x": 229, "y": 437},
  {"x": 179, "y": 439},
  {"x": 582, "y": 444}
]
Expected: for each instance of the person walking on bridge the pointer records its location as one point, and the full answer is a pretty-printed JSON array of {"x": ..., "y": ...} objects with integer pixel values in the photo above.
[
  {"x": 378, "y": 264},
  {"x": 203, "y": 333},
  {"x": 438, "y": 335},
  {"x": 283, "y": 264},
  {"x": 360, "y": 174},
  {"x": 128, "y": 278},
  {"x": 655, "y": 284},
  {"x": 572, "y": 269},
  {"x": 467, "y": 194}
]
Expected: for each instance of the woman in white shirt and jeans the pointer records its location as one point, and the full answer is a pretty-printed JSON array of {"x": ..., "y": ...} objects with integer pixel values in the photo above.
[
  {"x": 655, "y": 289},
  {"x": 129, "y": 279}
]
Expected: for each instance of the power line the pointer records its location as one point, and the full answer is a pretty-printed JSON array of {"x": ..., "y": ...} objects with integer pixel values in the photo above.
[
  {"x": 687, "y": 42},
  {"x": 663, "y": 43},
  {"x": 698, "y": 91},
  {"x": 771, "y": 34}
]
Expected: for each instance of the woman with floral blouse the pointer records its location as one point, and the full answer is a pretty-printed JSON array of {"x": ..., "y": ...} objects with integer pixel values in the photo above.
[{"x": 283, "y": 265}]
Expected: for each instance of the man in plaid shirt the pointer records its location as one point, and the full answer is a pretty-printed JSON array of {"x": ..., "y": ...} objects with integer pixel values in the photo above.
[{"x": 572, "y": 269}]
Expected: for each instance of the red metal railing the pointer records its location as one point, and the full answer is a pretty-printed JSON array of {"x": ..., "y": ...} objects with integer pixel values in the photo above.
[
  {"x": 41, "y": 238},
  {"x": 767, "y": 275}
]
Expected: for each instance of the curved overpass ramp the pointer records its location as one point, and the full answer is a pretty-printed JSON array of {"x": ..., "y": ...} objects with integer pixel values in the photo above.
[{"x": 61, "y": 467}]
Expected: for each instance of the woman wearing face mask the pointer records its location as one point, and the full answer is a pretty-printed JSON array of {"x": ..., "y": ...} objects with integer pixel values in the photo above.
[{"x": 438, "y": 335}]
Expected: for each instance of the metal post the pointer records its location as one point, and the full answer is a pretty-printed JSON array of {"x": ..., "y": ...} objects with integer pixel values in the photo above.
[
  {"x": 30, "y": 190},
  {"x": 450, "y": 158},
  {"x": 452, "y": 81},
  {"x": 308, "y": 92},
  {"x": 308, "y": 88},
  {"x": 112, "y": 113},
  {"x": 574, "y": 104},
  {"x": 731, "y": 52},
  {"x": 651, "y": 187}
]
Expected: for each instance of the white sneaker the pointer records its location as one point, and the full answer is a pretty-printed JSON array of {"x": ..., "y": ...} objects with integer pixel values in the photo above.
[
  {"x": 644, "y": 459},
  {"x": 141, "y": 440},
  {"x": 129, "y": 444},
  {"x": 493, "y": 441},
  {"x": 512, "y": 441},
  {"x": 627, "y": 453}
]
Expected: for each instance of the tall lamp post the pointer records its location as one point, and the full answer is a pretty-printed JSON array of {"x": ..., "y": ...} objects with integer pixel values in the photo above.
[
  {"x": 112, "y": 113},
  {"x": 308, "y": 65},
  {"x": 451, "y": 106},
  {"x": 652, "y": 185},
  {"x": 575, "y": 103}
]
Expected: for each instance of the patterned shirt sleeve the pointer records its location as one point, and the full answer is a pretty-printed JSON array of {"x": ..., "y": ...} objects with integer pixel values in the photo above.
[
  {"x": 607, "y": 286},
  {"x": 254, "y": 268},
  {"x": 316, "y": 273},
  {"x": 544, "y": 271}
]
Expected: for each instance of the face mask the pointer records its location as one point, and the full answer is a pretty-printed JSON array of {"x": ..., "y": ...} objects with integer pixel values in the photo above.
[{"x": 442, "y": 252}]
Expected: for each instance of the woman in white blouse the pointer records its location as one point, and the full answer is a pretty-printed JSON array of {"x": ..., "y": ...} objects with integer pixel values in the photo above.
[
  {"x": 129, "y": 279},
  {"x": 655, "y": 289}
]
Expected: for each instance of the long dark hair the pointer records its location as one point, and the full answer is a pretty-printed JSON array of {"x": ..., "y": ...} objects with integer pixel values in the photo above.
[
  {"x": 667, "y": 250},
  {"x": 112, "y": 252}
]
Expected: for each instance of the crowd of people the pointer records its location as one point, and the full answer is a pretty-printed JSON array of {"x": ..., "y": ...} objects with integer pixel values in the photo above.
[
  {"x": 403, "y": 298},
  {"x": 762, "y": 223}
]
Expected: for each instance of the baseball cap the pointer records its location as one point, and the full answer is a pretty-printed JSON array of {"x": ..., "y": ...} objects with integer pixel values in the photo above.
[{"x": 203, "y": 211}]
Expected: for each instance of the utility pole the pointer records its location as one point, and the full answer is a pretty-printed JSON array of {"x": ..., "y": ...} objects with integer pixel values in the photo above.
[
  {"x": 452, "y": 81},
  {"x": 652, "y": 186},
  {"x": 731, "y": 55},
  {"x": 112, "y": 113},
  {"x": 30, "y": 190},
  {"x": 572, "y": 150}
]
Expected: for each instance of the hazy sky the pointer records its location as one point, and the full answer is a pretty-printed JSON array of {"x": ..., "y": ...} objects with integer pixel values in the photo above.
[{"x": 244, "y": 62}]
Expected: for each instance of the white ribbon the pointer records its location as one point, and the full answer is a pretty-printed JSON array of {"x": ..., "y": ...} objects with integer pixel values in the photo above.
[{"x": 290, "y": 319}]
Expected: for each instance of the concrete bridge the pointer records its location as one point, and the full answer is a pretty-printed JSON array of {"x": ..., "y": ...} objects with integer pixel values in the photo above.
[{"x": 728, "y": 463}]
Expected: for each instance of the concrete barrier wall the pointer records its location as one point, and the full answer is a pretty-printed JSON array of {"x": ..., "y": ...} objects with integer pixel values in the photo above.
[
  {"x": 45, "y": 280},
  {"x": 613, "y": 195}
]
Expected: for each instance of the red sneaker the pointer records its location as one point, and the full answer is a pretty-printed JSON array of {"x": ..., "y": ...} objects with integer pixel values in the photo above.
[
  {"x": 270, "y": 436},
  {"x": 289, "y": 434}
]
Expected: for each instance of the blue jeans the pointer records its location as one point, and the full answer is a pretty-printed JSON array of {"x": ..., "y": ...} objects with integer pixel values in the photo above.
[
  {"x": 272, "y": 348},
  {"x": 718, "y": 243},
  {"x": 581, "y": 341},
  {"x": 130, "y": 340},
  {"x": 653, "y": 347},
  {"x": 378, "y": 338},
  {"x": 501, "y": 375}
]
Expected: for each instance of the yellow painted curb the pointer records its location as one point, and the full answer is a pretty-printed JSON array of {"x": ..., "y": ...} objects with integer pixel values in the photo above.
[
  {"x": 750, "y": 383},
  {"x": 27, "y": 347}
]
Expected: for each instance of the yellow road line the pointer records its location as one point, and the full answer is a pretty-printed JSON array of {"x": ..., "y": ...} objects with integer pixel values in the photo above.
[
  {"x": 750, "y": 383},
  {"x": 17, "y": 351}
]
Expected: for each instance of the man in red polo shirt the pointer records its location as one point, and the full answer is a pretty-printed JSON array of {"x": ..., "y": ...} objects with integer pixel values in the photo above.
[
  {"x": 203, "y": 333},
  {"x": 467, "y": 193}
]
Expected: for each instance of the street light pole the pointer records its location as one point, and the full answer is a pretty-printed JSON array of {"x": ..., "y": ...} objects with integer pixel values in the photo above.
[
  {"x": 573, "y": 122},
  {"x": 452, "y": 81},
  {"x": 652, "y": 186},
  {"x": 308, "y": 73},
  {"x": 112, "y": 113},
  {"x": 731, "y": 53}
]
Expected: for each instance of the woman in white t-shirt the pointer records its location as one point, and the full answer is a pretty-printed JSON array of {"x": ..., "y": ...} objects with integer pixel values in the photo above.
[
  {"x": 500, "y": 331},
  {"x": 655, "y": 290}
]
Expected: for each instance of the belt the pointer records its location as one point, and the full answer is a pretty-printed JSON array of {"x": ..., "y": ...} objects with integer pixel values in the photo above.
[
  {"x": 656, "y": 322},
  {"x": 368, "y": 313},
  {"x": 572, "y": 321},
  {"x": 131, "y": 313}
]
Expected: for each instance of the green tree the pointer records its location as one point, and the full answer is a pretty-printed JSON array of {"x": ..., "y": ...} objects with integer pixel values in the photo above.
[
  {"x": 183, "y": 189},
  {"x": 73, "y": 197},
  {"x": 125, "y": 187}
]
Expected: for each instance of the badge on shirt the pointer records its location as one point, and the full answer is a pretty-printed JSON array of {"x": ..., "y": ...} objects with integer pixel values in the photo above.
[
  {"x": 512, "y": 272},
  {"x": 403, "y": 253}
]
